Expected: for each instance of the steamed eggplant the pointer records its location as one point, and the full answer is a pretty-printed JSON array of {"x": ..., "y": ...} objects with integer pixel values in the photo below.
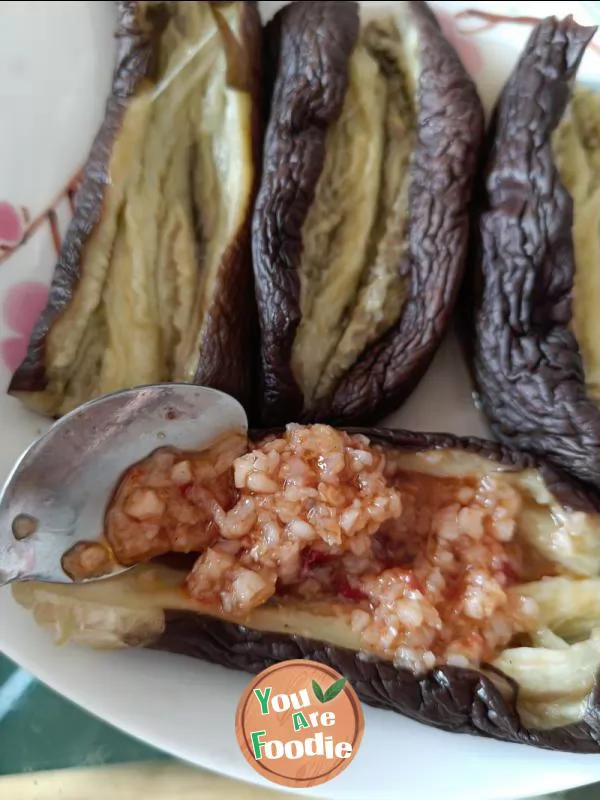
[
  {"x": 361, "y": 222},
  {"x": 535, "y": 284},
  {"x": 452, "y": 580},
  {"x": 153, "y": 279}
]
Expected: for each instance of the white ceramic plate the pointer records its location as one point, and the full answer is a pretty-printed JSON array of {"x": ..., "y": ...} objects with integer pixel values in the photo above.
[{"x": 55, "y": 69}]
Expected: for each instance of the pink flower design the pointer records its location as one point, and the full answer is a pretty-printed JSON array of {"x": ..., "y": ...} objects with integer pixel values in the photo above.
[
  {"x": 463, "y": 43},
  {"x": 23, "y": 303},
  {"x": 12, "y": 225}
]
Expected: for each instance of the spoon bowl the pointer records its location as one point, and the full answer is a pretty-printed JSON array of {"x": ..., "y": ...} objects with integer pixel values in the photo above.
[{"x": 57, "y": 493}]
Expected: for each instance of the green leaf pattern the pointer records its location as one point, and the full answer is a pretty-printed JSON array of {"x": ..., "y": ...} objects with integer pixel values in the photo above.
[
  {"x": 334, "y": 689},
  {"x": 318, "y": 692},
  {"x": 329, "y": 694}
]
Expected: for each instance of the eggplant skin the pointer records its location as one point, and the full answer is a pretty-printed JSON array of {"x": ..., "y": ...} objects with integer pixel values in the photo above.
[
  {"x": 450, "y": 698},
  {"x": 524, "y": 355},
  {"x": 225, "y": 350},
  {"x": 310, "y": 76}
]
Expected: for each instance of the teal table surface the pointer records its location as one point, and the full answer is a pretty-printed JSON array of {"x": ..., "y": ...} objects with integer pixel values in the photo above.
[{"x": 39, "y": 731}]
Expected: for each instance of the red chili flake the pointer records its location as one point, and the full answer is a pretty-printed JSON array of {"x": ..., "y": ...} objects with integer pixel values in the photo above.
[
  {"x": 186, "y": 491},
  {"x": 454, "y": 590},
  {"x": 311, "y": 558},
  {"x": 344, "y": 589},
  {"x": 510, "y": 572}
]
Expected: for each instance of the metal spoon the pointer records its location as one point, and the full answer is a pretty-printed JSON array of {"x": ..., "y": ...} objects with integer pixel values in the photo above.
[{"x": 57, "y": 493}]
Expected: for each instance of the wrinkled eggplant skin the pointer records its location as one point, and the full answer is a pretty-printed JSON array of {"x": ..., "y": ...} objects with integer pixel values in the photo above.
[
  {"x": 442, "y": 177},
  {"x": 311, "y": 78},
  {"x": 136, "y": 46},
  {"x": 450, "y": 698},
  {"x": 524, "y": 357},
  {"x": 230, "y": 342}
]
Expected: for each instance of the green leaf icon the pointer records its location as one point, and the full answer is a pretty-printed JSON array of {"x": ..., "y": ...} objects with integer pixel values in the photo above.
[
  {"x": 331, "y": 693},
  {"x": 334, "y": 690},
  {"x": 318, "y": 692}
]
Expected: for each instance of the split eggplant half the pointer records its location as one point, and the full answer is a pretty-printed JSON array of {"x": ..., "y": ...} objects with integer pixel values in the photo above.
[
  {"x": 153, "y": 279},
  {"x": 452, "y": 580},
  {"x": 361, "y": 222},
  {"x": 535, "y": 288}
]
